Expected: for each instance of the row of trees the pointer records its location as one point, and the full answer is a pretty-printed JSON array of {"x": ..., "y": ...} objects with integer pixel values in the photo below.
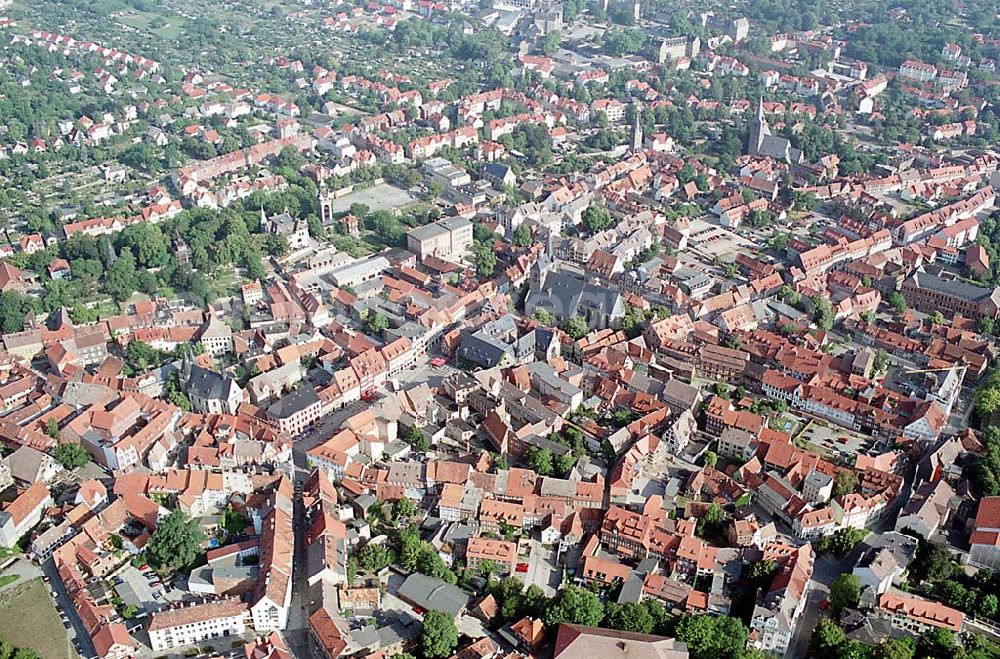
[
  {"x": 706, "y": 636},
  {"x": 938, "y": 576}
]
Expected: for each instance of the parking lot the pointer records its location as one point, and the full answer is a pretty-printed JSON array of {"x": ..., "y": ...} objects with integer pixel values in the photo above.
[
  {"x": 141, "y": 589},
  {"x": 834, "y": 441},
  {"x": 542, "y": 569}
]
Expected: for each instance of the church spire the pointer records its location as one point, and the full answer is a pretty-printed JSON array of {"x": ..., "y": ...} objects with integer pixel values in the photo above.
[{"x": 635, "y": 142}]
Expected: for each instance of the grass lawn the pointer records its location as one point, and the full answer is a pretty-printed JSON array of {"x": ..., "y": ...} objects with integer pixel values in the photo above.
[
  {"x": 28, "y": 619},
  {"x": 141, "y": 20},
  {"x": 8, "y": 579}
]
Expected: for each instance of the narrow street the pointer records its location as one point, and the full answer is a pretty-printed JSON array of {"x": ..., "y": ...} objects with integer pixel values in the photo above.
[
  {"x": 297, "y": 631},
  {"x": 75, "y": 634},
  {"x": 828, "y": 567}
]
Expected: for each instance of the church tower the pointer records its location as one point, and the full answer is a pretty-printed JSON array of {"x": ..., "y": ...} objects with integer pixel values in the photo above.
[
  {"x": 758, "y": 130},
  {"x": 635, "y": 140}
]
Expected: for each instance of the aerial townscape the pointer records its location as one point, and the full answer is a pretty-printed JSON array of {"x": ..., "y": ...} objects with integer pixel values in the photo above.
[{"x": 499, "y": 329}]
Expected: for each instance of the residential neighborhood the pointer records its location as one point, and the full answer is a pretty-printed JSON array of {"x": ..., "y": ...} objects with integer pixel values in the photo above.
[{"x": 499, "y": 330}]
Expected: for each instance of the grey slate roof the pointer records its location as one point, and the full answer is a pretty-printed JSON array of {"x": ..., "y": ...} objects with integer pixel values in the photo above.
[
  {"x": 433, "y": 594},
  {"x": 953, "y": 288},
  {"x": 293, "y": 403},
  {"x": 207, "y": 384},
  {"x": 482, "y": 350},
  {"x": 565, "y": 295}
]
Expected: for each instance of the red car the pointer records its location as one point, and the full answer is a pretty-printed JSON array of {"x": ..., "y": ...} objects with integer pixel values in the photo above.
[
  {"x": 522, "y": 567},
  {"x": 438, "y": 361}
]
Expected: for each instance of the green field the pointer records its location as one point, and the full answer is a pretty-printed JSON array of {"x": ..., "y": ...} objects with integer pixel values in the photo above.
[
  {"x": 169, "y": 27},
  {"x": 28, "y": 619}
]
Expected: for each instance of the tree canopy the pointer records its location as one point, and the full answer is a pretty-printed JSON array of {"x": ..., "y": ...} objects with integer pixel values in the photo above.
[
  {"x": 176, "y": 543},
  {"x": 71, "y": 456},
  {"x": 574, "y": 605},
  {"x": 439, "y": 636}
]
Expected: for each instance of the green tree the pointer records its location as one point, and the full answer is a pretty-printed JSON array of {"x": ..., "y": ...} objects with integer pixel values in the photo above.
[
  {"x": 374, "y": 557},
  {"x": 486, "y": 260},
  {"x": 712, "y": 637},
  {"x": 52, "y": 428},
  {"x": 147, "y": 244},
  {"x": 826, "y": 638},
  {"x": 575, "y": 327},
  {"x": 233, "y": 522},
  {"x": 987, "y": 606},
  {"x": 893, "y": 648},
  {"x": 550, "y": 42},
  {"x": 986, "y": 400},
  {"x": 843, "y": 542},
  {"x": 711, "y": 522},
  {"x": 404, "y": 507},
  {"x": 539, "y": 460},
  {"x": 543, "y": 316},
  {"x": 881, "y": 363},
  {"x": 845, "y": 482},
  {"x": 70, "y": 456},
  {"x": 596, "y": 218},
  {"x": 845, "y": 591},
  {"x": 932, "y": 562},
  {"x": 897, "y": 302},
  {"x": 175, "y": 394},
  {"x": 141, "y": 356},
  {"x": 937, "y": 644},
  {"x": 710, "y": 458},
  {"x": 573, "y": 605},
  {"x": 822, "y": 312},
  {"x": 760, "y": 573},
  {"x": 120, "y": 281},
  {"x": 176, "y": 543},
  {"x": 439, "y": 636},
  {"x": 418, "y": 439},
  {"x": 13, "y": 309},
  {"x": 522, "y": 236},
  {"x": 621, "y": 417},
  {"x": 629, "y": 617},
  {"x": 779, "y": 241},
  {"x": 376, "y": 323},
  {"x": 564, "y": 464}
]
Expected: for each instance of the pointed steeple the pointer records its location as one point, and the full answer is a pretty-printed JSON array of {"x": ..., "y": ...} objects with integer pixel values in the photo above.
[
  {"x": 758, "y": 130},
  {"x": 263, "y": 217},
  {"x": 635, "y": 142},
  {"x": 186, "y": 365},
  {"x": 112, "y": 256}
]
